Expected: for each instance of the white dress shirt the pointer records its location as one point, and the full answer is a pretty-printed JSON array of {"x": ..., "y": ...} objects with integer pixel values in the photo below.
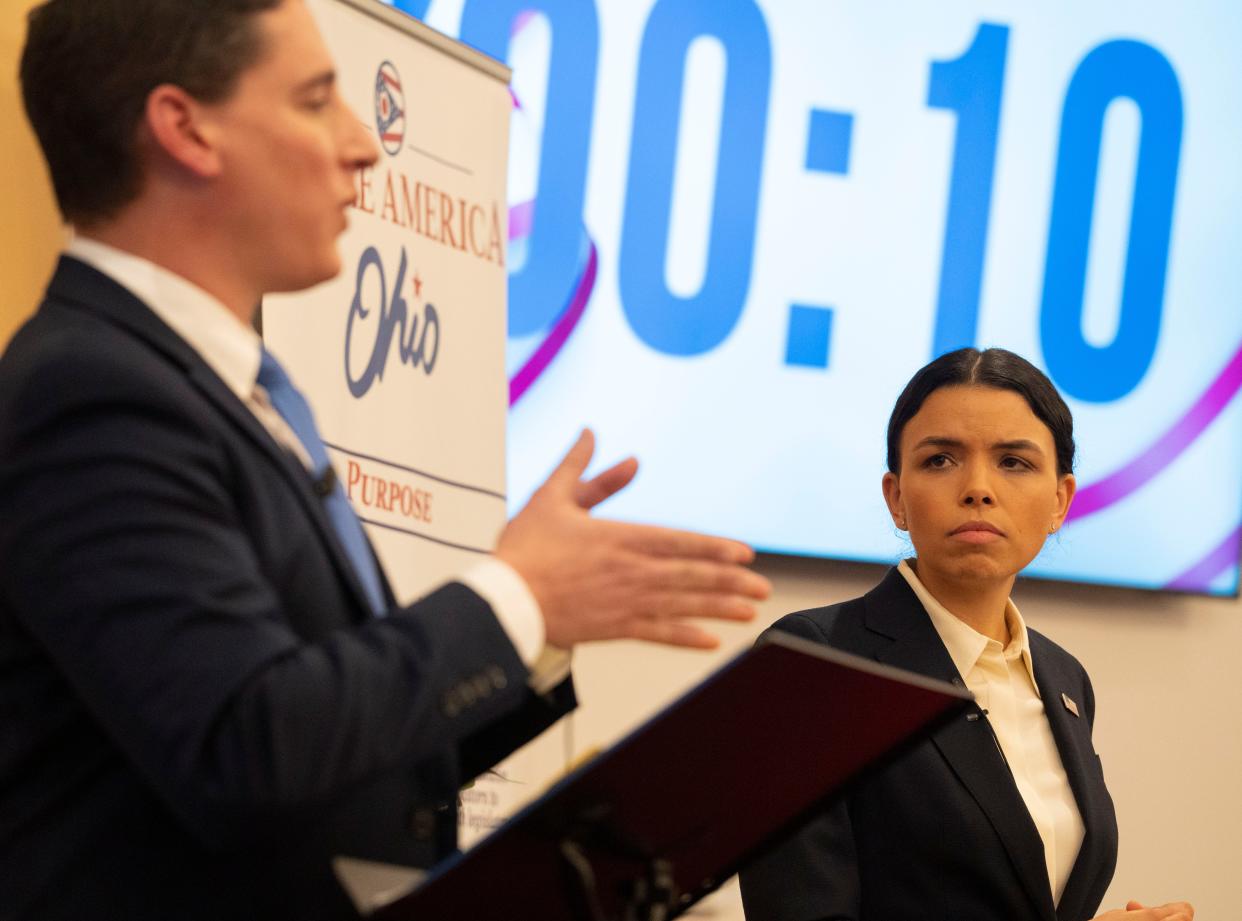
[
  {"x": 233, "y": 351},
  {"x": 1003, "y": 682}
]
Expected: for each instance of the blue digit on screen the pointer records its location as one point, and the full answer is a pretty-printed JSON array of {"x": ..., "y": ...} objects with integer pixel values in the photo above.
[
  {"x": 664, "y": 321},
  {"x": 971, "y": 86},
  {"x": 416, "y": 8},
  {"x": 1140, "y": 72},
  {"x": 541, "y": 288}
]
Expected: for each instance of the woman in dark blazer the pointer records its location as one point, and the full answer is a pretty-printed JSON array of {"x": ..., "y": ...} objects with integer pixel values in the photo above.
[{"x": 1002, "y": 815}]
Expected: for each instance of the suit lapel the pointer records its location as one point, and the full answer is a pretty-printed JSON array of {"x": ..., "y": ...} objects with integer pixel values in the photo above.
[
  {"x": 967, "y": 745},
  {"x": 1072, "y": 735},
  {"x": 295, "y": 474},
  {"x": 80, "y": 286}
]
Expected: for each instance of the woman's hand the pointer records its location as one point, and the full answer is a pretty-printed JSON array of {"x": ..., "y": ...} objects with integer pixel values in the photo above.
[{"x": 1136, "y": 911}]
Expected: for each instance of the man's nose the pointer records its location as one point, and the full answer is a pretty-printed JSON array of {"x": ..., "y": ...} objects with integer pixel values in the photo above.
[{"x": 358, "y": 149}]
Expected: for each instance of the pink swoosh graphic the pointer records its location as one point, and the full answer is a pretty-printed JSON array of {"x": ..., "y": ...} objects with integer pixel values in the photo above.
[
  {"x": 521, "y": 222},
  {"x": 521, "y": 219},
  {"x": 1199, "y": 576},
  {"x": 565, "y": 323},
  {"x": 521, "y": 21},
  {"x": 1116, "y": 486}
]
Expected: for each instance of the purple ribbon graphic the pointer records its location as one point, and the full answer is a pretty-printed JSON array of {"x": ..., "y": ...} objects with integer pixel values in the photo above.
[
  {"x": 521, "y": 222},
  {"x": 521, "y": 219},
  {"x": 564, "y": 325},
  {"x": 1199, "y": 576},
  {"x": 1166, "y": 449},
  {"x": 1116, "y": 486}
]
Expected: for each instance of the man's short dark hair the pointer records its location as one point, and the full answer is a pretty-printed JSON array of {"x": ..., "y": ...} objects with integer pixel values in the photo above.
[{"x": 89, "y": 66}]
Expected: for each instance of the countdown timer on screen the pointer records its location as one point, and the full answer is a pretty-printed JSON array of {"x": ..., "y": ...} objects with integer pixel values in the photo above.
[{"x": 737, "y": 228}]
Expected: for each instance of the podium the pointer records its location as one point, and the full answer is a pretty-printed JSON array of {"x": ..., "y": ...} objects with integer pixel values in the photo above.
[{"x": 658, "y": 821}]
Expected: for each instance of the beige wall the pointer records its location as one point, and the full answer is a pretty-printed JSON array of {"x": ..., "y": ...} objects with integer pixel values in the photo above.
[
  {"x": 1168, "y": 722},
  {"x": 30, "y": 231}
]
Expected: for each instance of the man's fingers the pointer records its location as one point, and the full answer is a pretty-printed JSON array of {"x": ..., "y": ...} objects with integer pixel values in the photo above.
[
  {"x": 672, "y": 633},
  {"x": 713, "y": 606},
  {"x": 594, "y": 491},
  {"x": 659, "y": 541},
  {"x": 679, "y": 605},
  {"x": 569, "y": 471},
  {"x": 667, "y": 621},
  {"x": 703, "y": 576}
]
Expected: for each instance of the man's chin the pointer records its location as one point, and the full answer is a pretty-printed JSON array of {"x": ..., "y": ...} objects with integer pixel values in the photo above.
[{"x": 327, "y": 270}]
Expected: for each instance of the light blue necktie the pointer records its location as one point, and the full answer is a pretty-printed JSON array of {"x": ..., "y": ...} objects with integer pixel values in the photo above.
[{"x": 288, "y": 401}]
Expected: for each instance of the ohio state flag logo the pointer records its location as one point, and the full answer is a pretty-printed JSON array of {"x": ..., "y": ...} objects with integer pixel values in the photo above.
[{"x": 389, "y": 109}]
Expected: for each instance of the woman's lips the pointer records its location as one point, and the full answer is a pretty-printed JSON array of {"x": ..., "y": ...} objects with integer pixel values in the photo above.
[{"x": 977, "y": 532}]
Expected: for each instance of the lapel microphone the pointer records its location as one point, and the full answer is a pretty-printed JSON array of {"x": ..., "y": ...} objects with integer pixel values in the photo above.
[
  {"x": 973, "y": 717},
  {"x": 325, "y": 484}
]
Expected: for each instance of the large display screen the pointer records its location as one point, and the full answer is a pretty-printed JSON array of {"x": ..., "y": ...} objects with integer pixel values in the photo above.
[{"x": 737, "y": 228}]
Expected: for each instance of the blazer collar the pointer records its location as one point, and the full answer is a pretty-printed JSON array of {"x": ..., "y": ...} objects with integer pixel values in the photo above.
[
  {"x": 79, "y": 286},
  {"x": 1072, "y": 734},
  {"x": 894, "y": 612}
]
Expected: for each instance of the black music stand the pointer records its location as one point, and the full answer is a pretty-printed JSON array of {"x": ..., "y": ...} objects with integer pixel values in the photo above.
[{"x": 658, "y": 821}]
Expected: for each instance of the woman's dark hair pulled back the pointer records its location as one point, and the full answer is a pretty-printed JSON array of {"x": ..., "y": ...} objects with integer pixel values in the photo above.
[{"x": 997, "y": 368}]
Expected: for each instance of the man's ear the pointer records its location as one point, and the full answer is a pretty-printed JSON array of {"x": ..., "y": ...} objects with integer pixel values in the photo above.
[{"x": 179, "y": 128}]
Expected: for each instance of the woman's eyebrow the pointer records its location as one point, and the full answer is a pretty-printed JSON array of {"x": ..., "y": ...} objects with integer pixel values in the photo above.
[
  {"x": 938, "y": 441},
  {"x": 1018, "y": 444}
]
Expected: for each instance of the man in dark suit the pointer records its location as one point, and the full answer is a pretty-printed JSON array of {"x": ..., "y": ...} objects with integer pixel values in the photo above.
[
  {"x": 942, "y": 831},
  {"x": 206, "y": 689}
]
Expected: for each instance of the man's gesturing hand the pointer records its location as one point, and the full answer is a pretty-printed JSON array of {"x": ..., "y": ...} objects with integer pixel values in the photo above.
[{"x": 597, "y": 580}]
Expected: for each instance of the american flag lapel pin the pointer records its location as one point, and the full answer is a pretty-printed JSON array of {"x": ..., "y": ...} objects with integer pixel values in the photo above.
[{"x": 1069, "y": 703}]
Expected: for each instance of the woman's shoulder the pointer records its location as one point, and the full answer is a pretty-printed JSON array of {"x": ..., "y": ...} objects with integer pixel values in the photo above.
[
  {"x": 834, "y": 624},
  {"x": 860, "y": 625},
  {"x": 1056, "y": 667},
  {"x": 1050, "y": 653}
]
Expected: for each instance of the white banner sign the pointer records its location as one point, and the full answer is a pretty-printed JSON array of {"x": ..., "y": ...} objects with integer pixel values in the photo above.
[{"x": 403, "y": 354}]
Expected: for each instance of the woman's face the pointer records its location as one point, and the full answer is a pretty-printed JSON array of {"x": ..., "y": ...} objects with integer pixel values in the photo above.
[{"x": 978, "y": 490}]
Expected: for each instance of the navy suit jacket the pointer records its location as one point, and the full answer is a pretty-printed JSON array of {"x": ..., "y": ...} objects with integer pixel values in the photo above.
[
  {"x": 941, "y": 833},
  {"x": 196, "y": 709}
]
